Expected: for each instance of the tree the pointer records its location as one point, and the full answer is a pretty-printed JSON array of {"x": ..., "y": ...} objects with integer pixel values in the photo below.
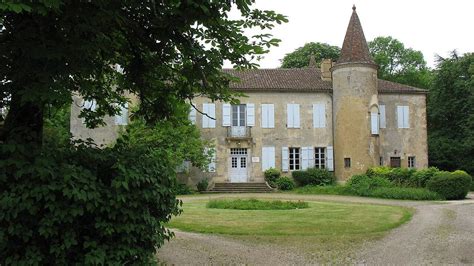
[
  {"x": 301, "y": 56},
  {"x": 74, "y": 203},
  {"x": 399, "y": 64},
  {"x": 451, "y": 114}
]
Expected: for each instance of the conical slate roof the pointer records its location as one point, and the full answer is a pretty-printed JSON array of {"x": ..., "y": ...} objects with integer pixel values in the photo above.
[{"x": 354, "y": 48}]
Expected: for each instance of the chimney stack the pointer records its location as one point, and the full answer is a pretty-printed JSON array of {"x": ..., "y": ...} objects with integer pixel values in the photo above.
[{"x": 326, "y": 65}]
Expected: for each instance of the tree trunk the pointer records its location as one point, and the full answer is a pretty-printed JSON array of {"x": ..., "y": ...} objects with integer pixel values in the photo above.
[{"x": 24, "y": 122}]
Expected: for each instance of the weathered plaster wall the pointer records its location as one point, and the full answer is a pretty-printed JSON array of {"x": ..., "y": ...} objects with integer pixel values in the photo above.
[
  {"x": 404, "y": 142},
  {"x": 354, "y": 92},
  {"x": 277, "y": 137}
]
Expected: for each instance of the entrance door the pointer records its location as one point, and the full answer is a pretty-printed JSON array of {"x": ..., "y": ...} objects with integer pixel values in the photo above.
[
  {"x": 395, "y": 162},
  {"x": 238, "y": 165},
  {"x": 238, "y": 120}
]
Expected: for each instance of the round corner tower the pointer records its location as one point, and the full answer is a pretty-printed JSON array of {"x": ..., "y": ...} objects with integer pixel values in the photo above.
[{"x": 355, "y": 99}]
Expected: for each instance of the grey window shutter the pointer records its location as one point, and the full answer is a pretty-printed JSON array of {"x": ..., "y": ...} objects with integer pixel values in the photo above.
[
  {"x": 250, "y": 114},
  {"x": 226, "y": 114},
  {"x": 330, "y": 158},
  {"x": 284, "y": 159}
]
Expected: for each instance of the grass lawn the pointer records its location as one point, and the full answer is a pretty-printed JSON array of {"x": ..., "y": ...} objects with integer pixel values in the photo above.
[
  {"x": 320, "y": 219},
  {"x": 326, "y": 232}
]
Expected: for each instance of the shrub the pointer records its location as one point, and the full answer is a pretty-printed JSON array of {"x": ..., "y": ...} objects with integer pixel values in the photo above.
[
  {"x": 325, "y": 190},
  {"x": 313, "y": 176},
  {"x": 453, "y": 185},
  {"x": 183, "y": 189},
  {"x": 400, "y": 176},
  {"x": 381, "y": 171},
  {"x": 202, "y": 185},
  {"x": 362, "y": 185},
  {"x": 404, "y": 193},
  {"x": 254, "y": 204},
  {"x": 420, "y": 177},
  {"x": 271, "y": 175},
  {"x": 285, "y": 183}
]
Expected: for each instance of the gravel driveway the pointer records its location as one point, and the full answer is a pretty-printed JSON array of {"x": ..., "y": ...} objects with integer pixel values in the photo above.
[{"x": 439, "y": 233}]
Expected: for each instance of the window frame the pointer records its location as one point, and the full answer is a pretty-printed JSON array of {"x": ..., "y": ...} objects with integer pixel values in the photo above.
[
  {"x": 294, "y": 158},
  {"x": 320, "y": 157}
]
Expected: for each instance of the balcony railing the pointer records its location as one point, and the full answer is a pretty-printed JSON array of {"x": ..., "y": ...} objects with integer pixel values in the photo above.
[{"x": 239, "y": 133}]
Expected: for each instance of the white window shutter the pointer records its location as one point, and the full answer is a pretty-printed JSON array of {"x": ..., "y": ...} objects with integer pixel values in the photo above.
[
  {"x": 304, "y": 158},
  {"x": 400, "y": 116},
  {"x": 250, "y": 114},
  {"x": 210, "y": 110},
  {"x": 319, "y": 115},
  {"x": 192, "y": 115},
  {"x": 330, "y": 158},
  {"x": 271, "y": 116},
  {"x": 374, "y": 123},
  {"x": 296, "y": 113},
  {"x": 290, "y": 115},
  {"x": 383, "y": 123},
  {"x": 226, "y": 111},
  {"x": 406, "y": 115},
  {"x": 284, "y": 159},
  {"x": 264, "y": 118},
  {"x": 268, "y": 158},
  {"x": 90, "y": 104},
  {"x": 310, "y": 157}
]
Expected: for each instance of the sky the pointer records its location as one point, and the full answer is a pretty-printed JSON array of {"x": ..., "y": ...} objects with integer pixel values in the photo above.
[{"x": 432, "y": 27}]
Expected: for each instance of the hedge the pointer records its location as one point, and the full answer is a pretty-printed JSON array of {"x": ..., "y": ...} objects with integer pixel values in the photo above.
[
  {"x": 313, "y": 176},
  {"x": 451, "y": 186}
]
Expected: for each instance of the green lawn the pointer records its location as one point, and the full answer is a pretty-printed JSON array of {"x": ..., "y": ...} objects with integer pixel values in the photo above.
[{"x": 320, "y": 219}]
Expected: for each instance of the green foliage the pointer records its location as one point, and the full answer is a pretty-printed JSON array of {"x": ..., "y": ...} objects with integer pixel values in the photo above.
[
  {"x": 285, "y": 183},
  {"x": 399, "y": 64},
  {"x": 77, "y": 204},
  {"x": 271, "y": 175},
  {"x": 451, "y": 186},
  {"x": 183, "y": 189},
  {"x": 398, "y": 176},
  {"x": 301, "y": 56},
  {"x": 451, "y": 114},
  {"x": 202, "y": 185},
  {"x": 313, "y": 176},
  {"x": 363, "y": 185},
  {"x": 324, "y": 190},
  {"x": 404, "y": 193},
  {"x": 420, "y": 177},
  {"x": 254, "y": 204},
  {"x": 56, "y": 126}
]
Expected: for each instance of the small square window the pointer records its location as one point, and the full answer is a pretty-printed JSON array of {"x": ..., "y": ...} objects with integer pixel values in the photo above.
[
  {"x": 347, "y": 162},
  {"x": 411, "y": 161},
  {"x": 381, "y": 161}
]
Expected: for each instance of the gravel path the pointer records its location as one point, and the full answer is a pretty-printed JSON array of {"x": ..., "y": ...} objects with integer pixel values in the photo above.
[{"x": 437, "y": 234}]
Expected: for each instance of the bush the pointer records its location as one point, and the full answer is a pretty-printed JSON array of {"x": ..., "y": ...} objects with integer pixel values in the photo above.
[
  {"x": 398, "y": 176},
  {"x": 381, "y": 171},
  {"x": 363, "y": 185},
  {"x": 254, "y": 204},
  {"x": 202, "y": 185},
  {"x": 77, "y": 204},
  {"x": 183, "y": 189},
  {"x": 451, "y": 186},
  {"x": 324, "y": 190},
  {"x": 404, "y": 193},
  {"x": 285, "y": 183},
  {"x": 313, "y": 176},
  {"x": 420, "y": 177},
  {"x": 271, "y": 175}
]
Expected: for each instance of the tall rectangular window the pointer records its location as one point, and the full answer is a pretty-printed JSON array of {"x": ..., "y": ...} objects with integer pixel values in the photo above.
[
  {"x": 209, "y": 120},
  {"x": 238, "y": 115},
  {"x": 403, "y": 117},
  {"x": 319, "y": 115},
  {"x": 319, "y": 158},
  {"x": 383, "y": 121},
  {"x": 381, "y": 161},
  {"x": 294, "y": 158},
  {"x": 411, "y": 162}
]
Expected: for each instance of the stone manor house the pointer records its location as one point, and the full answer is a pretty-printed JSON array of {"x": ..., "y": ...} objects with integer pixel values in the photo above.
[{"x": 339, "y": 117}]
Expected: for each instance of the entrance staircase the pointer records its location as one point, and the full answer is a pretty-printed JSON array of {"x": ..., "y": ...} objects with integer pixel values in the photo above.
[{"x": 241, "y": 188}]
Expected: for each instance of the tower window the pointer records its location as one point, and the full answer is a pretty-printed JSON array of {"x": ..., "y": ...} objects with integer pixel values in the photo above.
[
  {"x": 411, "y": 161},
  {"x": 347, "y": 162}
]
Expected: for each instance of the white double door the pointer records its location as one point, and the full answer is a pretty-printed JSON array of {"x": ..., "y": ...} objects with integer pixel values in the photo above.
[{"x": 238, "y": 165}]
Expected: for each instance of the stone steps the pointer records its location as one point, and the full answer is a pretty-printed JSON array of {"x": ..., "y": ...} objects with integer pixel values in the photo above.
[{"x": 241, "y": 188}]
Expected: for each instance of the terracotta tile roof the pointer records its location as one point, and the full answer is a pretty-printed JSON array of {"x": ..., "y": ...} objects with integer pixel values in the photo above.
[
  {"x": 298, "y": 80},
  {"x": 279, "y": 79},
  {"x": 355, "y": 49}
]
